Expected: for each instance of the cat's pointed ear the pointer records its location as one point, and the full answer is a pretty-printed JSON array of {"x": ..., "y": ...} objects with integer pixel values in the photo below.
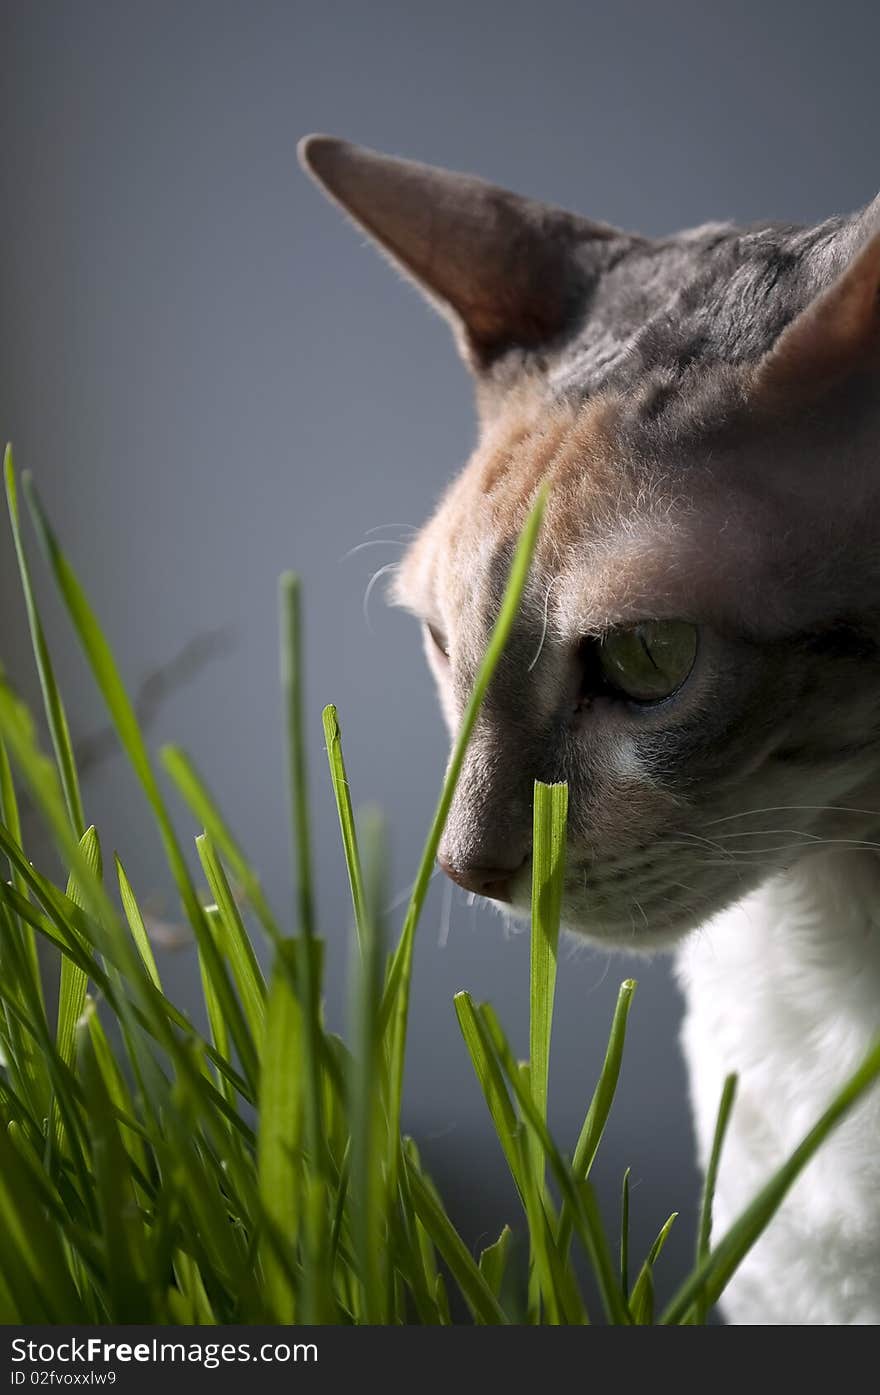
[
  {"x": 838, "y": 334},
  {"x": 504, "y": 270}
]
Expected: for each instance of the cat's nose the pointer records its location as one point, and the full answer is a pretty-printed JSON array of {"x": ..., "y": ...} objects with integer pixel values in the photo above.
[{"x": 494, "y": 882}]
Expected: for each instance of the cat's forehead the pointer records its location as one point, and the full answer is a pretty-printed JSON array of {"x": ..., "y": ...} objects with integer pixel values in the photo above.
[{"x": 620, "y": 540}]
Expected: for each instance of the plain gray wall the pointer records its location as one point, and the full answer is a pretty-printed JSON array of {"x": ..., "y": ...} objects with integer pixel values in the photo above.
[{"x": 213, "y": 380}]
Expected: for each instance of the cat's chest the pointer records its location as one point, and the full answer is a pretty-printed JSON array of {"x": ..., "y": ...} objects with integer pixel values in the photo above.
[
  {"x": 789, "y": 978},
  {"x": 784, "y": 989}
]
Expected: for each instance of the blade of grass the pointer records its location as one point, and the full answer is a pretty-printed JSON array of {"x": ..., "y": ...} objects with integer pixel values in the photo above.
[
  {"x": 18, "y": 941},
  {"x": 396, "y": 998},
  {"x": 624, "y": 1234},
  {"x": 704, "y": 1230},
  {"x": 493, "y": 1261},
  {"x": 9, "y": 817},
  {"x": 600, "y": 1105},
  {"x": 136, "y": 924},
  {"x": 641, "y": 1303},
  {"x": 548, "y": 876},
  {"x": 292, "y": 687},
  {"x": 546, "y": 1302},
  {"x": 342, "y": 795},
  {"x": 108, "y": 934},
  {"x": 52, "y": 701},
  {"x": 31, "y": 1257},
  {"x": 642, "y": 1299},
  {"x": 237, "y": 944},
  {"x": 69, "y": 936},
  {"x": 306, "y": 959},
  {"x": 279, "y": 1136},
  {"x": 368, "y": 1136},
  {"x": 115, "y": 1085},
  {"x": 121, "y": 1234},
  {"x": 196, "y": 796},
  {"x": 74, "y": 982},
  {"x": 474, "y": 1289},
  {"x": 491, "y": 1082},
  {"x": 576, "y": 1194}
]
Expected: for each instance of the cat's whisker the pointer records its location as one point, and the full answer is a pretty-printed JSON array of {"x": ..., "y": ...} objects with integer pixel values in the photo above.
[
  {"x": 381, "y": 528},
  {"x": 795, "y": 809},
  {"x": 383, "y": 571},
  {"x": 683, "y": 886},
  {"x": 544, "y": 625},
  {"x": 602, "y": 977},
  {"x": 773, "y": 833},
  {"x": 813, "y": 844},
  {"x": 374, "y": 542},
  {"x": 445, "y": 916},
  {"x": 687, "y": 840},
  {"x": 691, "y": 837},
  {"x": 403, "y": 896}
]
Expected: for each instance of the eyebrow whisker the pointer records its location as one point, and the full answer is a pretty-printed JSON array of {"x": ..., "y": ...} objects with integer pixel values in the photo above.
[{"x": 544, "y": 626}]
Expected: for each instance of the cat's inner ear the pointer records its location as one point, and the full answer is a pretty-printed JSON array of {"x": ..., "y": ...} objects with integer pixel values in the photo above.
[
  {"x": 835, "y": 337},
  {"x": 507, "y": 271}
]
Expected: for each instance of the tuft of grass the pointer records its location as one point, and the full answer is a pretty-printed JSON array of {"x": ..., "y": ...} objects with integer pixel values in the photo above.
[{"x": 258, "y": 1173}]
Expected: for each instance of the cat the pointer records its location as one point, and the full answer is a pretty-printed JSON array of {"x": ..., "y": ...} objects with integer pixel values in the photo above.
[{"x": 698, "y": 651}]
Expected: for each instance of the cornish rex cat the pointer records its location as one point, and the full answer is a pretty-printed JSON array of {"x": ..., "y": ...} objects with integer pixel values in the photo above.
[{"x": 699, "y": 651}]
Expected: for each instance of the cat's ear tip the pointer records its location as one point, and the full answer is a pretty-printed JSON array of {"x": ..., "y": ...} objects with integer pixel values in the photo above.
[{"x": 317, "y": 153}]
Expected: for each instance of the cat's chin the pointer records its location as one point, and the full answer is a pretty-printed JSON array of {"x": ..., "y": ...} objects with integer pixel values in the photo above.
[
  {"x": 634, "y": 935},
  {"x": 626, "y": 939}
]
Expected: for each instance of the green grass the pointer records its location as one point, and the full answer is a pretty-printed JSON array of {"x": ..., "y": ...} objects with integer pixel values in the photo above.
[{"x": 150, "y": 1173}]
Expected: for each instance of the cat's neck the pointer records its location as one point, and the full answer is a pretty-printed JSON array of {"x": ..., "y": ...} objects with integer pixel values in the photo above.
[
  {"x": 793, "y": 970},
  {"x": 784, "y": 989},
  {"x": 825, "y": 918}
]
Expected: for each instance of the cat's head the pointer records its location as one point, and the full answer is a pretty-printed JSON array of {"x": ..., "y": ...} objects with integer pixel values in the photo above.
[{"x": 698, "y": 652}]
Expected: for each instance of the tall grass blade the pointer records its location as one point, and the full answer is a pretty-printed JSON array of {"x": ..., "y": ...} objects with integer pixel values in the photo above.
[
  {"x": 624, "y": 1234},
  {"x": 307, "y": 955},
  {"x": 396, "y": 998},
  {"x": 641, "y": 1303},
  {"x": 236, "y": 942},
  {"x": 136, "y": 924},
  {"x": 74, "y": 982},
  {"x": 548, "y": 877},
  {"x": 600, "y": 1105},
  {"x": 474, "y": 1289},
  {"x": 52, "y": 701},
  {"x": 278, "y": 1158},
  {"x": 493, "y": 1261},
  {"x": 370, "y": 1143},
  {"x": 704, "y": 1229},
  {"x": 201, "y": 803},
  {"x": 491, "y": 1081},
  {"x": 342, "y": 795}
]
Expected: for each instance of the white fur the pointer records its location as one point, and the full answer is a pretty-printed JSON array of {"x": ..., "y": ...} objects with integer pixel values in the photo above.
[{"x": 784, "y": 988}]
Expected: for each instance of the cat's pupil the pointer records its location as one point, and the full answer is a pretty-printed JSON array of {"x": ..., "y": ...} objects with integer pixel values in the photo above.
[{"x": 649, "y": 661}]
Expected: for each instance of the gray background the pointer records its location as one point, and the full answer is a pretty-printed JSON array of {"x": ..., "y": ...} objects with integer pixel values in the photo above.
[{"x": 213, "y": 380}]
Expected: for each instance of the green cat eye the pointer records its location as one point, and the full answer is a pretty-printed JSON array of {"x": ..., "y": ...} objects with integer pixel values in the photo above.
[{"x": 650, "y": 660}]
